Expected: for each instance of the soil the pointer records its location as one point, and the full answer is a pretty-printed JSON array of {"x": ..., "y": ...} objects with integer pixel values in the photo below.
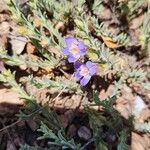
[{"x": 69, "y": 107}]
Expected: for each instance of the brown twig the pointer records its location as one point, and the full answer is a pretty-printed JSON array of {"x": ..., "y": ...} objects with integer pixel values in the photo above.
[{"x": 11, "y": 125}]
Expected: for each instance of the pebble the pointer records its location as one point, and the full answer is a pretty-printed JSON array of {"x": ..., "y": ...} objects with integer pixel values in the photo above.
[
  {"x": 4, "y": 28},
  {"x": 84, "y": 133},
  {"x": 139, "y": 105},
  {"x": 3, "y": 5},
  {"x": 18, "y": 43},
  {"x": 106, "y": 15}
]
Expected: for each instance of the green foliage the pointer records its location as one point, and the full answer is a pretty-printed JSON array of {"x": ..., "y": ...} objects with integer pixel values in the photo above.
[
  {"x": 27, "y": 147},
  {"x": 29, "y": 28},
  {"x": 97, "y": 6},
  {"x": 55, "y": 86},
  {"x": 142, "y": 127},
  {"x": 27, "y": 61},
  {"x": 107, "y": 123},
  {"x": 55, "y": 8},
  {"x": 101, "y": 30},
  {"x": 97, "y": 51},
  {"x": 58, "y": 140},
  {"x": 147, "y": 86},
  {"x": 145, "y": 36},
  {"x": 45, "y": 26},
  {"x": 40, "y": 113},
  {"x": 136, "y": 76},
  {"x": 7, "y": 77},
  {"x": 115, "y": 63},
  {"x": 131, "y": 7},
  {"x": 122, "y": 141}
]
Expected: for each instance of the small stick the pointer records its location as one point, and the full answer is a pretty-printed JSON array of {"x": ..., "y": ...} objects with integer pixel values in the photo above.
[{"x": 6, "y": 127}]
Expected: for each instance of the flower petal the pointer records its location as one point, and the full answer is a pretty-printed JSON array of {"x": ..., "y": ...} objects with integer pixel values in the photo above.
[
  {"x": 89, "y": 64},
  {"x": 93, "y": 70},
  {"x": 92, "y": 67},
  {"x": 82, "y": 52},
  {"x": 76, "y": 55},
  {"x": 72, "y": 59},
  {"x": 84, "y": 80},
  {"x": 77, "y": 75},
  {"x": 66, "y": 51},
  {"x": 81, "y": 45},
  {"x": 77, "y": 65},
  {"x": 70, "y": 40},
  {"x": 83, "y": 48}
]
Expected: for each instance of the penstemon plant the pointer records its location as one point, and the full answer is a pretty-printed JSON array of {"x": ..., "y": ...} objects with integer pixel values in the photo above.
[
  {"x": 75, "y": 50},
  {"x": 70, "y": 39}
]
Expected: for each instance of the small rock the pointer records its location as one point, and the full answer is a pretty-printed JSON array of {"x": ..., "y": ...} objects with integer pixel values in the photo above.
[
  {"x": 4, "y": 17},
  {"x": 124, "y": 103},
  {"x": 30, "y": 48},
  {"x": 136, "y": 22},
  {"x": 34, "y": 58},
  {"x": 68, "y": 103},
  {"x": 23, "y": 67},
  {"x": 10, "y": 97},
  {"x": 18, "y": 43},
  {"x": 144, "y": 116},
  {"x": 60, "y": 25},
  {"x": 139, "y": 105},
  {"x": 105, "y": 94},
  {"x": 84, "y": 133},
  {"x": 76, "y": 101},
  {"x": 72, "y": 131},
  {"x": 4, "y": 28},
  {"x": 124, "y": 110},
  {"x": 3, "y": 5},
  {"x": 134, "y": 34},
  {"x": 3, "y": 41},
  {"x": 140, "y": 142},
  {"x": 105, "y": 15},
  {"x": 23, "y": 6}
]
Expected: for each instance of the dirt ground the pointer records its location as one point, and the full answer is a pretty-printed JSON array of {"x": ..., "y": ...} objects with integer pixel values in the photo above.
[{"x": 69, "y": 108}]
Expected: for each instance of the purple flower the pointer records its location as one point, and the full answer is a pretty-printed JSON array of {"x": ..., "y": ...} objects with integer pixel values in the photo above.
[
  {"x": 85, "y": 72},
  {"x": 75, "y": 49}
]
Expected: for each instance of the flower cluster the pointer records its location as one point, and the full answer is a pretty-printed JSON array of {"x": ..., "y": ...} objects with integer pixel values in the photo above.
[{"x": 75, "y": 50}]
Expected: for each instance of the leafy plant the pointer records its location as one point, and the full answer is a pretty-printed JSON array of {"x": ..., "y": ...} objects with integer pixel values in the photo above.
[
  {"x": 131, "y": 7},
  {"x": 58, "y": 140},
  {"x": 77, "y": 47},
  {"x": 108, "y": 126}
]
